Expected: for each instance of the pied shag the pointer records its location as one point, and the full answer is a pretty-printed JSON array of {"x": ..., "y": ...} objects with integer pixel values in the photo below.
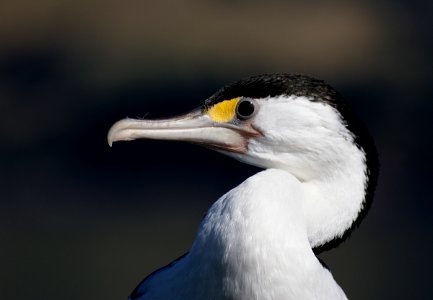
[{"x": 260, "y": 239}]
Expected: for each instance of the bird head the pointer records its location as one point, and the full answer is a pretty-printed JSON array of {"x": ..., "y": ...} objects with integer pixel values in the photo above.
[
  {"x": 283, "y": 121},
  {"x": 291, "y": 122}
]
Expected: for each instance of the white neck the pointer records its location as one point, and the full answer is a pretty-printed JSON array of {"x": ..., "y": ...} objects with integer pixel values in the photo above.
[
  {"x": 334, "y": 200},
  {"x": 252, "y": 244},
  {"x": 254, "y": 239}
]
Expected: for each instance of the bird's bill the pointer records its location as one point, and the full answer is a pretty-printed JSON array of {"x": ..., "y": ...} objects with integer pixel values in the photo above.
[{"x": 195, "y": 127}]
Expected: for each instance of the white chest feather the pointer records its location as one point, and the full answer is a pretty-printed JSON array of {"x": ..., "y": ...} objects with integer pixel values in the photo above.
[{"x": 253, "y": 244}]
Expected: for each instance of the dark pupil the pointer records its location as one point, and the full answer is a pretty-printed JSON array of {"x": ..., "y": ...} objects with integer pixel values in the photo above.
[{"x": 245, "y": 109}]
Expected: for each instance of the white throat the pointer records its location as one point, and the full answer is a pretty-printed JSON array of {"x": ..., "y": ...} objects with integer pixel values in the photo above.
[
  {"x": 254, "y": 238},
  {"x": 334, "y": 201}
]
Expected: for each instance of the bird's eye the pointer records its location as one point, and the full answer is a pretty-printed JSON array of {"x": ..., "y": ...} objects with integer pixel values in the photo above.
[{"x": 245, "y": 109}]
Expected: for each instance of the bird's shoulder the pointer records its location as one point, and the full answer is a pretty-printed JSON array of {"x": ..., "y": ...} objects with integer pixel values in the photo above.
[{"x": 143, "y": 287}]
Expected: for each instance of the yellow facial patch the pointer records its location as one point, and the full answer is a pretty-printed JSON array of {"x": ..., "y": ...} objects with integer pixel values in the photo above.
[{"x": 224, "y": 111}]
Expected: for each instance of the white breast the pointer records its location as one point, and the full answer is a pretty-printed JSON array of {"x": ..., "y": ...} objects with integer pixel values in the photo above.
[{"x": 252, "y": 244}]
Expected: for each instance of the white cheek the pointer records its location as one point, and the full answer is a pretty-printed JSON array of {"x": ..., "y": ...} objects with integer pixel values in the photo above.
[
  {"x": 300, "y": 135},
  {"x": 292, "y": 116}
]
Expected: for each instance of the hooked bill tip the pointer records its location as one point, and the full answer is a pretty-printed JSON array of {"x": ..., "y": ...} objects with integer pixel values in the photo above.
[
  {"x": 111, "y": 134},
  {"x": 110, "y": 139}
]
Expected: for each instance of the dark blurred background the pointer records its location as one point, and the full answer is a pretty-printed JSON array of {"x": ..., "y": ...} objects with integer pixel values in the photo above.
[{"x": 81, "y": 220}]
